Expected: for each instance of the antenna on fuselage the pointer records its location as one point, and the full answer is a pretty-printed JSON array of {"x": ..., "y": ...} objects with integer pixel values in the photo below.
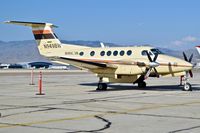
[{"x": 102, "y": 45}]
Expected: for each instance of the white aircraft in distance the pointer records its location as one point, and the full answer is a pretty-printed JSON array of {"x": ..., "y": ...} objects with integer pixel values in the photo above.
[
  {"x": 111, "y": 64},
  {"x": 198, "y": 49}
]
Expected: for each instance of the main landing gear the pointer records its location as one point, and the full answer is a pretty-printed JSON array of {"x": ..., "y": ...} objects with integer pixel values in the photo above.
[
  {"x": 101, "y": 86},
  {"x": 142, "y": 84}
]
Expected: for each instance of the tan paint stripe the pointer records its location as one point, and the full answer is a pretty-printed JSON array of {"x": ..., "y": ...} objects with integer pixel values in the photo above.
[{"x": 126, "y": 63}]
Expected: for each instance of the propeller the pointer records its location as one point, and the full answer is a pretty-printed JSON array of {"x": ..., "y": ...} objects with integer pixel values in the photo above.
[
  {"x": 188, "y": 60},
  {"x": 152, "y": 65}
]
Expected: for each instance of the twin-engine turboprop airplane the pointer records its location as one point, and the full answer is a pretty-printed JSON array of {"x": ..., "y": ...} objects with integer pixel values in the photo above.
[{"x": 110, "y": 64}]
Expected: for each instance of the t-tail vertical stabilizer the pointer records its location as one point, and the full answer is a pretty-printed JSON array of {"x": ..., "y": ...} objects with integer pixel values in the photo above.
[{"x": 45, "y": 37}]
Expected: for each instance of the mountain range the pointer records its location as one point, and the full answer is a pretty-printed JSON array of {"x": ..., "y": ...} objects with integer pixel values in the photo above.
[{"x": 26, "y": 51}]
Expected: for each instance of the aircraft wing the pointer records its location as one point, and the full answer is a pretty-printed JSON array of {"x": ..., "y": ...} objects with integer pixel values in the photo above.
[{"x": 84, "y": 63}]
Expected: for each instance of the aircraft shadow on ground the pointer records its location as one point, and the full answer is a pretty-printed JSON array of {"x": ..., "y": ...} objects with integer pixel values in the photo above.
[{"x": 113, "y": 87}]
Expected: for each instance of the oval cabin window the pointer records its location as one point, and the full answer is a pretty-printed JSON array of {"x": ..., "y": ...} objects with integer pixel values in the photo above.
[
  {"x": 122, "y": 52},
  {"x": 102, "y": 53},
  {"x": 115, "y": 53},
  {"x": 81, "y": 53},
  {"x": 92, "y": 53},
  {"x": 129, "y": 52},
  {"x": 108, "y": 53}
]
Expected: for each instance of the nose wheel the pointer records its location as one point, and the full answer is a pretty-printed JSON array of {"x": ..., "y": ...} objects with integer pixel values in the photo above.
[{"x": 186, "y": 86}]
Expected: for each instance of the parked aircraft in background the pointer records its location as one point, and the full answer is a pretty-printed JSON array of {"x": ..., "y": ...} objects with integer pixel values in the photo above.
[
  {"x": 111, "y": 64},
  {"x": 198, "y": 49}
]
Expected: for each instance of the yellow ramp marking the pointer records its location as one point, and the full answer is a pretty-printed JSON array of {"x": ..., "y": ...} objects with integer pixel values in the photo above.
[{"x": 48, "y": 121}]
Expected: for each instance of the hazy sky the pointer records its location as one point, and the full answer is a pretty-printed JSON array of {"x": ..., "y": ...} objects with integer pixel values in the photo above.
[{"x": 165, "y": 23}]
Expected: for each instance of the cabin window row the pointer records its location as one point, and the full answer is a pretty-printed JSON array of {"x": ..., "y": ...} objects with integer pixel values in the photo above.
[{"x": 109, "y": 53}]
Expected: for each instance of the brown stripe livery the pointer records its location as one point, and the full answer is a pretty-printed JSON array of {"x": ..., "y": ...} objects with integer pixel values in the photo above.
[{"x": 42, "y": 31}]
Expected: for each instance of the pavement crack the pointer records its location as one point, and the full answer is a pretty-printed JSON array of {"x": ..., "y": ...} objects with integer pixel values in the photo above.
[
  {"x": 107, "y": 125},
  {"x": 184, "y": 129},
  {"x": 165, "y": 116},
  {"x": 40, "y": 110}
]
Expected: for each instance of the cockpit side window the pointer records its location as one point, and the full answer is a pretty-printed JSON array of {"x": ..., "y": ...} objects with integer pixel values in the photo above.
[
  {"x": 143, "y": 53},
  {"x": 156, "y": 51}
]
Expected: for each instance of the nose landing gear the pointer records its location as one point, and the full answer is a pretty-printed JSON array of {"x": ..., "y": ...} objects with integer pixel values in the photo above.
[{"x": 186, "y": 85}]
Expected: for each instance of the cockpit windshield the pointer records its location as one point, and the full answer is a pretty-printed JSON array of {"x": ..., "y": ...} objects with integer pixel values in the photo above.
[{"x": 156, "y": 51}]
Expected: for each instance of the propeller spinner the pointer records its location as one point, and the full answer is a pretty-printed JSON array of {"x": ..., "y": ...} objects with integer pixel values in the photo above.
[{"x": 152, "y": 65}]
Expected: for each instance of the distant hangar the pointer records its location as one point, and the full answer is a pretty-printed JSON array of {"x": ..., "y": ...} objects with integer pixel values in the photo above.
[
  {"x": 35, "y": 65},
  {"x": 40, "y": 64}
]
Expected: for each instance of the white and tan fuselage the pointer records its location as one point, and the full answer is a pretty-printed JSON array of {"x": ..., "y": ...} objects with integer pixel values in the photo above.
[
  {"x": 121, "y": 68},
  {"x": 113, "y": 64}
]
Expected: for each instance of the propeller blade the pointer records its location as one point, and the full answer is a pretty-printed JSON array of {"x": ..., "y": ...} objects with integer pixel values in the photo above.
[
  {"x": 185, "y": 57},
  {"x": 191, "y": 74},
  {"x": 149, "y": 57},
  {"x": 156, "y": 72},
  {"x": 147, "y": 73},
  {"x": 190, "y": 59},
  {"x": 155, "y": 57}
]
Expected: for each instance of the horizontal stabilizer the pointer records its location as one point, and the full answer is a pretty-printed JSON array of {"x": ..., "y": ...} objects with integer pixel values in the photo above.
[{"x": 30, "y": 24}]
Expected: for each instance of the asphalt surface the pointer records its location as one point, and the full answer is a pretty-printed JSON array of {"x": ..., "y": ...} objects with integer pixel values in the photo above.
[{"x": 71, "y": 104}]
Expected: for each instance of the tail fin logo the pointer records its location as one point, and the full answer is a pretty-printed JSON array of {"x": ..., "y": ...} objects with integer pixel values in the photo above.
[{"x": 44, "y": 34}]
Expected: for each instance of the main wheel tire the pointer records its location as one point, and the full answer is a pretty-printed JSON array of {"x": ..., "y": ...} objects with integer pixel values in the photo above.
[
  {"x": 102, "y": 86},
  {"x": 105, "y": 86},
  {"x": 142, "y": 84},
  {"x": 187, "y": 87}
]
